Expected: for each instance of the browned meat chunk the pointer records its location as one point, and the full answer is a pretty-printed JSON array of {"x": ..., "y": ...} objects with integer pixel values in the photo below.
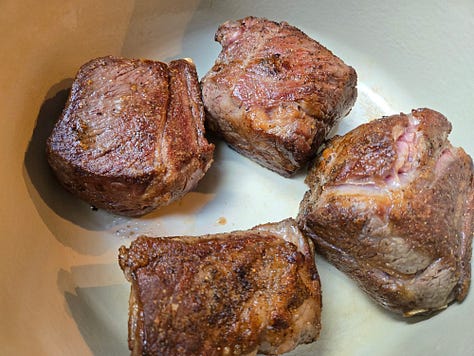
[
  {"x": 391, "y": 204},
  {"x": 223, "y": 294},
  {"x": 131, "y": 137},
  {"x": 274, "y": 93}
]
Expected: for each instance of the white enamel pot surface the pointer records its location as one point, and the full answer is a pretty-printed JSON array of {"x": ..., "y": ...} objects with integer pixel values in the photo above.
[{"x": 62, "y": 290}]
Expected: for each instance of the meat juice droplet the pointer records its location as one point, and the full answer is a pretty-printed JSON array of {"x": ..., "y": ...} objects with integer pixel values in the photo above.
[{"x": 222, "y": 220}]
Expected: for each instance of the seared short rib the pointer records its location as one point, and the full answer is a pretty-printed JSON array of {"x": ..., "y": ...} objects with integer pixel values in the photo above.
[
  {"x": 131, "y": 137},
  {"x": 391, "y": 204},
  {"x": 274, "y": 93},
  {"x": 225, "y": 294}
]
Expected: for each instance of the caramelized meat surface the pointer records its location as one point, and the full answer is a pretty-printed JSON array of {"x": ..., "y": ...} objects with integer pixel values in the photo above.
[
  {"x": 234, "y": 293},
  {"x": 131, "y": 137},
  {"x": 391, "y": 204},
  {"x": 274, "y": 93}
]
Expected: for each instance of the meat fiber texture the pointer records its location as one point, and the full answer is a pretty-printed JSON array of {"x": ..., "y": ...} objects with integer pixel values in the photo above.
[
  {"x": 131, "y": 137},
  {"x": 274, "y": 93},
  {"x": 391, "y": 204},
  {"x": 235, "y": 293}
]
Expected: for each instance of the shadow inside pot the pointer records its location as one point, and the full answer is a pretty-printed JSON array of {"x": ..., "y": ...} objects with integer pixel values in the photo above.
[{"x": 99, "y": 308}]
